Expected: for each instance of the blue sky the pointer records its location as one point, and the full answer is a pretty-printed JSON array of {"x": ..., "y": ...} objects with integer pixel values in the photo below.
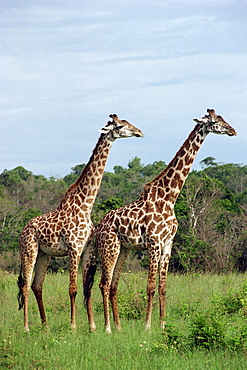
[{"x": 65, "y": 66}]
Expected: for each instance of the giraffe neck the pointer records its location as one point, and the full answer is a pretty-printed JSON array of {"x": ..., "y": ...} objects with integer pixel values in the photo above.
[
  {"x": 170, "y": 181},
  {"x": 84, "y": 191}
]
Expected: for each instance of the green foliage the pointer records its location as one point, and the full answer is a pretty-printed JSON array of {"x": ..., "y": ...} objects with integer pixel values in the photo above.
[
  {"x": 234, "y": 176},
  {"x": 132, "y": 301},
  {"x": 188, "y": 253},
  {"x": 132, "y": 304},
  {"x": 216, "y": 324},
  {"x": 192, "y": 340},
  {"x": 209, "y": 161},
  {"x": 227, "y": 304},
  {"x": 211, "y": 209},
  {"x": 28, "y": 214},
  {"x": 211, "y": 226},
  {"x": 211, "y": 328},
  {"x": 13, "y": 219},
  {"x": 206, "y": 331},
  {"x": 75, "y": 173},
  {"x": 10, "y": 178},
  {"x": 127, "y": 183},
  {"x": 105, "y": 206},
  {"x": 243, "y": 297},
  {"x": 185, "y": 308}
]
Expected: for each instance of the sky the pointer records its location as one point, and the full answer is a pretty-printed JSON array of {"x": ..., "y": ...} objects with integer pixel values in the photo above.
[{"x": 66, "y": 65}]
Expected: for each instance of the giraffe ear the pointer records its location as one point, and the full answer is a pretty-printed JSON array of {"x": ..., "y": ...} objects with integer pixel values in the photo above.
[
  {"x": 201, "y": 120},
  {"x": 103, "y": 130},
  {"x": 109, "y": 127}
]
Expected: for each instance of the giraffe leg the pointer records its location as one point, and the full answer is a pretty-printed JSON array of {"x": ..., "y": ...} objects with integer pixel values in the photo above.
[
  {"x": 28, "y": 252},
  {"x": 105, "y": 291},
  {"x": 88, "y": 271},
  {"x": 108, "y": 265},
  {"x": 154, "y": 256},
  {"x": 27, "y": 271},
  {"x": 162, "y": 288},
  {"x": 40, "y": 268},
  {"x": 74, "y": 258},
  {"x": 164, "y": 264},
  {"x": 114, "y": 285}
]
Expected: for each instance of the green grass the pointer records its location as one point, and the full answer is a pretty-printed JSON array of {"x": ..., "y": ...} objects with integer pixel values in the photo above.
[{"x": 206, "y": 327}]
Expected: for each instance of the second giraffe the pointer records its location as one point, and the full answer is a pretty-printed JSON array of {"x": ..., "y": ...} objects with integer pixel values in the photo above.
[{"x": 149, "y": 223}]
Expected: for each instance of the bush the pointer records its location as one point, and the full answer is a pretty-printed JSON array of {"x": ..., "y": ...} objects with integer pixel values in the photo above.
[
  {"x": 231, "y": 303},
  {"x": 132, "y": 304},
  {"x": 206, "y": 331},
  {"x": 10, "y": 261}
]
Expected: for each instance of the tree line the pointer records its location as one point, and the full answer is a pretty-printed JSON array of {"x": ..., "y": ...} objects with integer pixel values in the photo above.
[{"x": 211, "y": 210}]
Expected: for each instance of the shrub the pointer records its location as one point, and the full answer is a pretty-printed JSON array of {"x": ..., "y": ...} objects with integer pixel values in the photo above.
[
  {"x": 132, "y": 303},
  {"x": 206, "y": 331}
]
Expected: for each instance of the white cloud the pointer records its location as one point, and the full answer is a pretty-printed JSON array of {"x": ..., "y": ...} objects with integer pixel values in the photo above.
[{"x": 66, "y": 66}]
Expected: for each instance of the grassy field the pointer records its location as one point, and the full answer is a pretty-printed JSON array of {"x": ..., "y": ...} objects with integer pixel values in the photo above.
[{"x": 206, "y": 327}]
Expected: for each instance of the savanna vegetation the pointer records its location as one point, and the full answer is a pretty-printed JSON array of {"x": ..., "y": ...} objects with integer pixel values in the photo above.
[
  {"x": 207, "y": 287},
  {"x": 211, "y": 211},
  {"x": 206, "y": 326}
]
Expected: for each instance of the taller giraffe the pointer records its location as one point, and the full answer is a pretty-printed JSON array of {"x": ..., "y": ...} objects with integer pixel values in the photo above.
[
  {"x": 67, "y": 229},
  {"x": 150, "y": 223}
]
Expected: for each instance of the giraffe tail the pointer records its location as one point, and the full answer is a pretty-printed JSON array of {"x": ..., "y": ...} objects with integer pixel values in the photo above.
[
  {"x": 89, "y": 280},
  {"x": 20, "y": 283}
]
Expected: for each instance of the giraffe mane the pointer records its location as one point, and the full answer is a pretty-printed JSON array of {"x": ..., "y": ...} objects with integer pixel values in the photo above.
[
  {"x": 84, "y": 171},
  {"x": 174, "y": 160}
]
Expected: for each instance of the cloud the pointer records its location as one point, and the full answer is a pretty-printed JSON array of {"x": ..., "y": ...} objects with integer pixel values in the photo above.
[{"x": 67, "y": 65}]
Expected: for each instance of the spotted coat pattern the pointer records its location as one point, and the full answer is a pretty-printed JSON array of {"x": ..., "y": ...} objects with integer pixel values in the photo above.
[
  {"x": 150, "y": 223},
  {"x": 67, "y": 230}
]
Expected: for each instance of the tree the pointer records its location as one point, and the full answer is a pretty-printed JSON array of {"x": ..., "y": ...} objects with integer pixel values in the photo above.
[
  {"x": 211, "y": 209},
  {"x": 209, "y": 234},
  {"x": 208, "y": 161},
  {"x": 100, "y": 209},
  {"x": 11, "y": 178},
  {"x": 74, "y": 174}
]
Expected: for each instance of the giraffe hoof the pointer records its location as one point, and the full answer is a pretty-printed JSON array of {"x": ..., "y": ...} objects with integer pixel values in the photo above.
[
  {"x": 148, "y": 327},
  {"x": 93, "y": 330},
  {"x": 163, "y": 325}
]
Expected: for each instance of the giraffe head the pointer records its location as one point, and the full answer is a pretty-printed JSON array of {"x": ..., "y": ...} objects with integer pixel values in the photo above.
[
  {"x": 120, "y": 128},
  {"x": 216, "y": 124}
]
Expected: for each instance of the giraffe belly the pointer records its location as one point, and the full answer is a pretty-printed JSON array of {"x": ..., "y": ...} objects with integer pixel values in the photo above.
[
  {"x": 133, "y": 243},
  {"x": 59, "y": 249}
]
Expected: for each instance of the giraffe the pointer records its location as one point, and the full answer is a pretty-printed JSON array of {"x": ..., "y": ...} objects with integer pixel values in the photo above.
[
  {"x": 149, "y": 223},
  {"x": 67, "y": 229}
]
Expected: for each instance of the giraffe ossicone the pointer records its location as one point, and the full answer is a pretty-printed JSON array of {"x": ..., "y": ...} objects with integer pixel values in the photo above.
[
  {"x": 68, "y": 229},
  {"x": 149, "y": 223}
]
